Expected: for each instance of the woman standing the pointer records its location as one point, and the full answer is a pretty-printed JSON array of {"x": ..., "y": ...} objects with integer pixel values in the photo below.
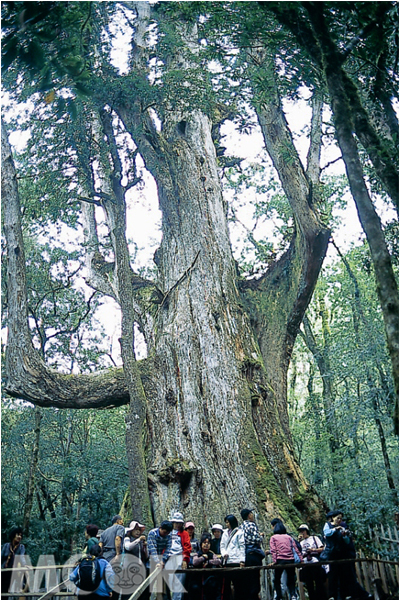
[
  {"x": 135, "y": 542},
  {"x": 234, "y": 555},
  {"x": 282, "y": 548},
  {"x": 9, "y": 551},
  {"x": 194, "y": 542},
  {"x": 217, "y": 531},
  {"x": 342, "y": 579},
  {"x": 205, "y": 586}
]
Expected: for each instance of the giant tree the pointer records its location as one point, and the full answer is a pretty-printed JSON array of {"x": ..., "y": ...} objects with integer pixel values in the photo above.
[{"x": 211, "y": 393}]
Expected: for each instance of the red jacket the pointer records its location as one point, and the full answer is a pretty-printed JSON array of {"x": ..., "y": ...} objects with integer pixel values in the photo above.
[{"x": 186, "y": 545}]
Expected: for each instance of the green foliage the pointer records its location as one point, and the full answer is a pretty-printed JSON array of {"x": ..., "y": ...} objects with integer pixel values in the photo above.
[
  {"x": 57, "y": 54},
  {"x": 47, "y": 41},
  {"x": 338, "y": 431},
  {"x": 81, "y": 477}
]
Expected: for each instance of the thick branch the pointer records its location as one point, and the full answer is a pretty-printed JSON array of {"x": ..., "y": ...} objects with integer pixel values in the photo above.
[
  {"x": 26, "y": 375},
  {"x": 280, "y": 147}
]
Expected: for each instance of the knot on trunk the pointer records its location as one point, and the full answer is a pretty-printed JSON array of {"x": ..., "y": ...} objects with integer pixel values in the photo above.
[{"x": 176, "y": 471}]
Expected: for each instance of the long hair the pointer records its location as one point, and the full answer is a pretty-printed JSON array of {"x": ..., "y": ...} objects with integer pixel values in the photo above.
[{"x": 232, "y": 520}]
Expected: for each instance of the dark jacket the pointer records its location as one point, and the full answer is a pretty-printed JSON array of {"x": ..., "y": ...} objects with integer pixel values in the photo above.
[
  {"x": 216, "y": 545},
  {"x": 8, "y": 555}
]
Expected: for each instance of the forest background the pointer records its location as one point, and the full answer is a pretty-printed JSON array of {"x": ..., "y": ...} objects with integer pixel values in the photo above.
[{"x": 65, "y": 467}]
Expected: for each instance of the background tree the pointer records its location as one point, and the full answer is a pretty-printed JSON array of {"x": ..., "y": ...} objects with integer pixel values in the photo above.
[{"x": 350, "y": 437}]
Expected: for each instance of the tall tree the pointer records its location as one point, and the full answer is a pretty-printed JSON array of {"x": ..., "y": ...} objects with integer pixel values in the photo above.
[{"x": 212, "y": 390}]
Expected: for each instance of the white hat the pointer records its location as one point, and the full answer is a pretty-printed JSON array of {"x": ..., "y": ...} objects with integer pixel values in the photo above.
[
  {"x": 217, "y": 526},
  {"x": 135, "y": 525},
  {"x": 177, "y": 517},
  {"x": 304, "y": 526}
]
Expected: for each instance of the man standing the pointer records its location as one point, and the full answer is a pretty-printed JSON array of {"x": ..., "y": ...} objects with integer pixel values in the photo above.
[
  {"x": 159, "y": 542},
  {"x": 180, "y": 555},
  {"x": 254, "y": 553},
  {"x": 111, "y": 539}
]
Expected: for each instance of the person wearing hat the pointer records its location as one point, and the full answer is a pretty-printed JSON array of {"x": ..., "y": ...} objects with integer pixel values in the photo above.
[
  {"x": 254, "y": 553},
  {"x": 313, "y": 577},
  {"x": 180, "y": 554},
  {"x": 216, "y": 530},
  {"x": 308, "y": 542},
  {"x": 135, "y": 542},
  {"x": 194, "y": 542},
  {"x": 342, "y": 577}
]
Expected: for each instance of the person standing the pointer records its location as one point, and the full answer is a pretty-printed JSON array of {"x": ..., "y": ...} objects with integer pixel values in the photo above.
[
  {"x": 282, "y": 548},
  {"x": 111, "y": 539},
  {"x": 254, "y": 553},
  {"x": 217, "y": 531},
  {"x": 9, "y": 552},
  {"x": 105, "y": 577},
  {"x": 135, "y": 542},
  {"x": 194, "y": 542},
  {"x": 135, "y": 545},
  {"x": 342, "y": 577},
  {"x": 159, "y": 542},
  {"x": 180, "y": 554},
  {"x": 234, "y": 555},
  {"x": 205, "y": 586},
  {"x": 111, "y": 544},
  {"x": 91, "y": 532},
  {"x": 313, "y": 576}
]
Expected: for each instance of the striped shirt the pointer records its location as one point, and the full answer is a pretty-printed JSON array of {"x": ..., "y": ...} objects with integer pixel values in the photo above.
[{"x": 159, "y": 547}]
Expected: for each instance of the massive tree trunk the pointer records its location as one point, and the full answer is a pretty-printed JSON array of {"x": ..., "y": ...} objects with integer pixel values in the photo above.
[
  {"x": 217, "y": 430},
  {"x": 215, "y": 383}
]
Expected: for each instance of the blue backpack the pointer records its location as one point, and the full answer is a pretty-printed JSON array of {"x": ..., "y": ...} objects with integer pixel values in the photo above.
[{"x": 89, "y": 575}]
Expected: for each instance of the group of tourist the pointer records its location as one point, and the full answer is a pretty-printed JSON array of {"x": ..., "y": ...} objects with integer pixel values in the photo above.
[{"x": 174, "y": 546}]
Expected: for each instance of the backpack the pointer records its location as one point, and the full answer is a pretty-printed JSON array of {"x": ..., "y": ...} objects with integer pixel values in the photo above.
[
  {"x": 89, "y": 576},
  {"x": 297, "y": 543}
]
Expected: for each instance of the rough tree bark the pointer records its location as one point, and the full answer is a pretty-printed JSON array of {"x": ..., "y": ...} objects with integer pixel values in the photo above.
[{"x": 218, "y": 435}]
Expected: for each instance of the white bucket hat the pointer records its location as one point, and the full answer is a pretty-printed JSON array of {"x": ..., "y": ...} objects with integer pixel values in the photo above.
[{"x": 177, "y": 517}]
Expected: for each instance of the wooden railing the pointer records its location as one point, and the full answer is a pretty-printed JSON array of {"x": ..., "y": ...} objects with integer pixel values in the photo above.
[{"x": 378, "y": 576}]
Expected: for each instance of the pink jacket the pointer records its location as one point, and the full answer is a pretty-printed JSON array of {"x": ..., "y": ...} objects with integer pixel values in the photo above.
[{"x": 281, "y": 547}]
